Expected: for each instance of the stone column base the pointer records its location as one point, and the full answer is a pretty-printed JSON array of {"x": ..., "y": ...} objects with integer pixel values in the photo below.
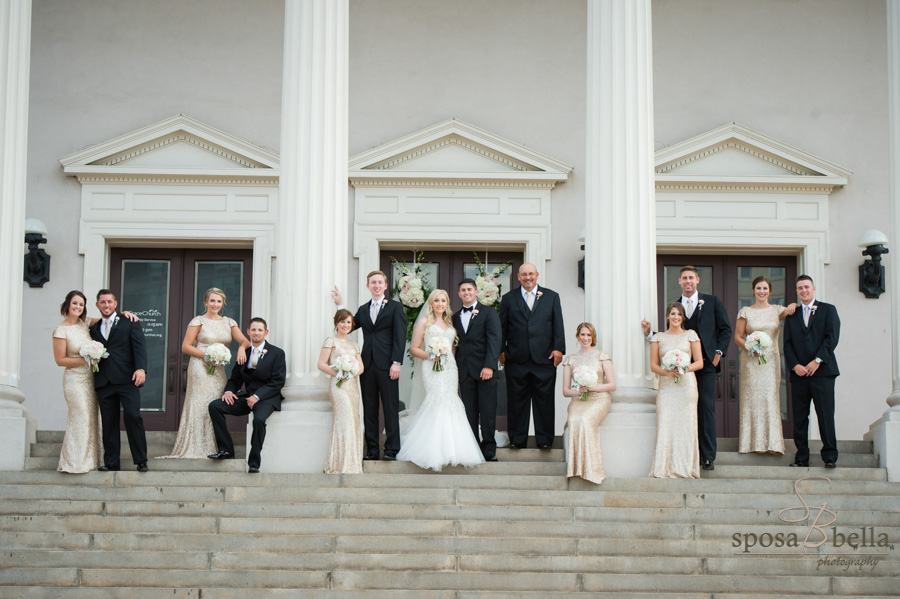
[
  {"x": 628, "y": 434},
  {"x": 17, "y": 432},
  {"x": 885, "y": 437},
  {"x": 297, "y": 437}
]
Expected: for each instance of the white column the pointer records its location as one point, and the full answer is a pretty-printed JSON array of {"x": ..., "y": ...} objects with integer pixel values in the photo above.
[
  {"x": 16, "y": 432},
  {"x": 620, "y": 229},
  {"x": 313, "y": 233},
  {"x": 885, "y": 433}
]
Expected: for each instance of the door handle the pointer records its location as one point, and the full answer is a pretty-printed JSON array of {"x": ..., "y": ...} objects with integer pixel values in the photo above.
[
  {"x": 184, "y": 368},
  {"x": 732, "y": 379}
]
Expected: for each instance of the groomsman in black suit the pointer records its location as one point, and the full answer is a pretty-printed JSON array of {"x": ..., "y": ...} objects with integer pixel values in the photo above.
[
  {"x": 810, "y": 336},
  {"x": 478, "y": 329},
  {"x": 533, "y": 346},
  {"x": 383, "y": 322},
  {"x": 707, "y": 316},
  {"x": 254, "y": 386},
  {"x": 118, "y": 381}
]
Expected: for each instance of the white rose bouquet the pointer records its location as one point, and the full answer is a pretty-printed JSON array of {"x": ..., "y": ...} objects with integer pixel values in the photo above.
[
  {"x": 488, "y": 282},
  {"x": 216, "y": 355},
  {"x": 584, "y": 376},
  {"x": 676, "y": 360},
  {"x": 346, "y": 366},
  {"x": 757, "y": 343},
  {"x": 438, "y": 347},
  {"x": 412, "y": 293},
  {"x": 92, "y": 353}
]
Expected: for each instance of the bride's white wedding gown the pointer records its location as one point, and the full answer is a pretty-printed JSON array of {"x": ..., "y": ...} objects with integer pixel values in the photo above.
[{"x": 438, "y": 434}]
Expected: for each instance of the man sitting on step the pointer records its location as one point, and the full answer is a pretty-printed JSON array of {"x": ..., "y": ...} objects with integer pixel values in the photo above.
[{"x": 262, "y": 377}]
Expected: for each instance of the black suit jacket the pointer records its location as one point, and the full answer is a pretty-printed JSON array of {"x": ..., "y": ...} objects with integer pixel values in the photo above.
[
  {"x": 804, "y": 344},
  {"x": 265, "y": 381},
  {"x": 127, "y": 352},
  {"x": 479, "y": 347},
  {"x": 531, "y": 333},
  {"x": 384, "y": 341},
  {"x": 710, "y": 320}
]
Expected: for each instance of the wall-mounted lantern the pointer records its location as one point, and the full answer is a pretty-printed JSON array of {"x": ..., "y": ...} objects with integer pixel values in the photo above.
[
  {"x": 37, "y": 262},
  {"x": 871, "y": 272}
]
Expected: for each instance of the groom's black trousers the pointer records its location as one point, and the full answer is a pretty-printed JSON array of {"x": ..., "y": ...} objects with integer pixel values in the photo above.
[
  {"x": 530, "y": 386},
  {"x": 261, "y": 412},
  {"x": 480, "y": 400},
  {"x": 110, "y": 397}
]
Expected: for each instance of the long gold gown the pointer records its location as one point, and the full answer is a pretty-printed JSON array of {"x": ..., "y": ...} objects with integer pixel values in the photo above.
[
  {"x": 82, "y": 448},
  {"x": 677, "y": 453},
  {"x": 345, "y": 455},
  {"x": 196, "y": 438},
  {"x": 583, "y": 455},
  {"x": 760, "y": 405}
]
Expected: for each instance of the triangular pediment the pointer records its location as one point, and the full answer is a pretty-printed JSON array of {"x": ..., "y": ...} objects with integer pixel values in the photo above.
[
  {"x": 177, "y": 146},
  {"x": 738, "y": 154},
  {"x": 455, "y": 151}
]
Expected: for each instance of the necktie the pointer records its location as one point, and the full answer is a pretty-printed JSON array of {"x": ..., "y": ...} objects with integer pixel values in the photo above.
[
  {"x": 689, "y": 307},
  {"x": 254, "y": 357},
  {"x": 529, "y": 299},
  {"x": 806, "y": 315},
  {"x": 468, "y": 309},
  {"x": 107, "y": 325},
  {"x": 374, "y": 311}
]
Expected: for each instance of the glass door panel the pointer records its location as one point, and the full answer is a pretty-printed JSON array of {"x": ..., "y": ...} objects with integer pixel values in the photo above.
[
  {"x": 145, "y": 291},
  {"x": 229, "y": 277}
]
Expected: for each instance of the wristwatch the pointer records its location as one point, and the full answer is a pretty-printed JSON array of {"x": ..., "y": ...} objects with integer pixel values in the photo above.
[{"x": 818, "y": 360}]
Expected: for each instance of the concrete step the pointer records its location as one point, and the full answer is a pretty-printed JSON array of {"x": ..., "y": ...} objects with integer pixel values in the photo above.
[
  {"x": 167, "y": 465},
  {"x": 160, "y": 437},
  {"x": 815, "y": 446},
  {"x": 846, "y": 460},
  {"x": 154, "y": 450},
  {"x": 518, "y": 468},
  {"x": 785, "y": 472}
]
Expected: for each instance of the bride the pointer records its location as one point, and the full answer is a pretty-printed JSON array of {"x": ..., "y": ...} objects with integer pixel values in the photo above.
[{"x": 438, "y": 433}]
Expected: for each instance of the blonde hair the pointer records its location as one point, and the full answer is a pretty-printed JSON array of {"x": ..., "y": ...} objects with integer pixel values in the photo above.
[
  {"x": 215, "y": 290},
  {"x": 374, "y": 273},
  {"x": 429, "y": 311}
]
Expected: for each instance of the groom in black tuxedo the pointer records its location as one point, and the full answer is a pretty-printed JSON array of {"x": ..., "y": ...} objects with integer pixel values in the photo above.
[
  {"x": 478, "y": 329},
  {"x": 383, "y": 322},
  {"x": 118, "y": 381},
  {"x": 254, "y": 386},
  {"x": 533, "y": 345},
  {"x": 707, "y": 316},
  {"x": 810, "y": 336}
]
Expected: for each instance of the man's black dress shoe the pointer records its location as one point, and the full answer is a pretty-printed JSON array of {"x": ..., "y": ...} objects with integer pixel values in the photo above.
[
  {"x": 800, "y": 465},
  {"x": 252, "y": 469},
  {"x": 492, "y": 459},
  {"x": 544, "y": 446},
  {"x": 708, "y": 465},
  {"x": 389, "y": 458},
  {"x": 142, "y": 467},
  {"x": 514, "y": 446},
  {"x": 830, "y": 464},
  {"x": 222, "y": 455},
  {"x": 107, "y": 469},
  {"x": 370, "y": 456}
]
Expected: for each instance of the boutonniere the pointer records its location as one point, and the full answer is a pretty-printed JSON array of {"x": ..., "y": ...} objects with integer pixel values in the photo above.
[
  {"x": 262, "y": 354},
  {"x": 700, "y": 304},
  {"x": 115, "y": 321},
  {"x": 474, "y": 313},
  {"x": 812, "y": 309},
  {"x": 384, "y": 302}
]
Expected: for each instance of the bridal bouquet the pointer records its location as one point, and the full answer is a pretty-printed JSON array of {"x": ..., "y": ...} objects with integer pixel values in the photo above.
[
  {"x": 584, "y": 376},
  {"x": 488, "y": 282},
  {"x": 438, "y": 347},
  {"x": 346, "y": 366},
  {"x": 676, "y": 360},
  {"x": 757, "y": 343},
  {"x": 216, "y": 355},
  {"x": 92, "y": 353}
]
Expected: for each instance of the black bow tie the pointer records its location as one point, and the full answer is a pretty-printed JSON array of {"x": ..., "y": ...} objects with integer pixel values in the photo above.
[{"x": 469, "y": 309}]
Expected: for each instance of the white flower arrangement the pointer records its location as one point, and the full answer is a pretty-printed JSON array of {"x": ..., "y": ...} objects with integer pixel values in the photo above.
[
  {"x": 346, "y": 366},
  {"x": 757, "y": 343},
  {"x": 677, "y": 360},
  {"x": 92, "y": 353},
  {"x": 584, "y": 376},
  {"x": 438, "y": 349},
  {"x": 412, "y": 294},
  {"x": 216, "y": 355},
  {"x": 488, "y": 282}
]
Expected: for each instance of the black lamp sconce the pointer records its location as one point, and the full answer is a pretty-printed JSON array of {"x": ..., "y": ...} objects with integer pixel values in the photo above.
[
  {"x": 871, "y": 272},
  {"x": 37, "y": 262}
]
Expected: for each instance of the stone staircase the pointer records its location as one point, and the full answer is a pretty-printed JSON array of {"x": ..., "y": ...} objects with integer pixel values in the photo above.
[{"x": 515, "y": 528}]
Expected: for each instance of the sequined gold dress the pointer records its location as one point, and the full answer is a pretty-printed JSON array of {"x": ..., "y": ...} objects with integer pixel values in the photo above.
[
  {"x": 583, "y": 456},
  {"x": 196, "y": 438},
  {"x": 760, "y": 404},
  {"x": 82, "y": 448},
  {"x": 677, "y": 453},
  {"x": 345, "y": 450}
]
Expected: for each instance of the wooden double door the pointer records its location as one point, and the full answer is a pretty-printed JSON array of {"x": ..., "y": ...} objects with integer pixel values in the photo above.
[
  {"x": 165, "y": 288},
  {"x": 730, "y": 278}
]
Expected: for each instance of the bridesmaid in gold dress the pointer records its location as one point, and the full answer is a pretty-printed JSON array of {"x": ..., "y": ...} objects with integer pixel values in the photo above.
[
  {"x": 677, "y": 453},
  {"x": 345, "y": 454},
  {"x": 583, "y": 457},
  {"x": 760, "y": 404},
  {"x": 81, "y": 448},
  {"x": 196, "y": 438}
]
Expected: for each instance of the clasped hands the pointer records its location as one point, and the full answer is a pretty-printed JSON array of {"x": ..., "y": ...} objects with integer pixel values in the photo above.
[{"x": 808, "y": 370}]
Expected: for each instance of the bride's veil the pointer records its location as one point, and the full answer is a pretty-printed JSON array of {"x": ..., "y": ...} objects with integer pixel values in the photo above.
[{"x": 417, "y": 386}]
